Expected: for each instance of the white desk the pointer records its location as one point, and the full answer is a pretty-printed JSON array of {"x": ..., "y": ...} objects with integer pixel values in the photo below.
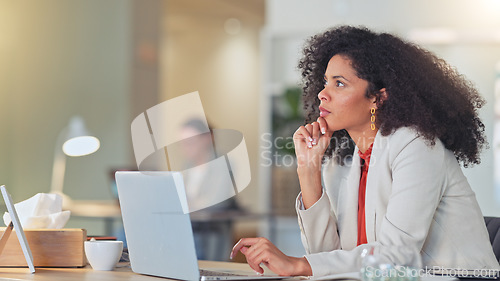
[
  {"x": 87, "y": 274},
  {"x": 123, "y": 272}
]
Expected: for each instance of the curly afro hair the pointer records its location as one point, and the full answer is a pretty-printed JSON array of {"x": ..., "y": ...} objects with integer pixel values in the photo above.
[{"x": 423, "y": 91}]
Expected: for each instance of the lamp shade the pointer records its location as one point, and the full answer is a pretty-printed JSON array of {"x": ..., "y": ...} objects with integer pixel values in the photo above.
[
  {"x": 75, "y": 141},
  {"x": 81, "y": 146},
  {"x": 78, "y": 142}
]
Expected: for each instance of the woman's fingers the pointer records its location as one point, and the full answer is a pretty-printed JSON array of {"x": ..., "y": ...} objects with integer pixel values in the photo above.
[
  {"x": 309, "y": 140},
  {"x": 260, "y": 251},
  {"x": 323, "y": 127},
  {"x": 303, "y": 135},
  {"x": 309, "y": 134},
  {"x": 255, "y": 250},
  {"x": 326, "y": 134},
  {"x": 246, "y": 247},
  {"x": 252, "y": 261},
  {"x": 315, "y": 133},
  {"x": 244, "y": 242},
  {"x": 266, "y": 253}
]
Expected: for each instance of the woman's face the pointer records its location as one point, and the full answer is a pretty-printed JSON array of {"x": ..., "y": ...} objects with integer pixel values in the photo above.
[{"x": 343, "y": 101}]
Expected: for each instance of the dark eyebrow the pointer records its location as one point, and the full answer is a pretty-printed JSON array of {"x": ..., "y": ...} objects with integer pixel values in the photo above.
[{"x": 340, "y": 76}]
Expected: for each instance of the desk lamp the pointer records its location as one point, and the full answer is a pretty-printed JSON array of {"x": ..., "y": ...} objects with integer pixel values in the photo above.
[{"x": 75, "y": 141}]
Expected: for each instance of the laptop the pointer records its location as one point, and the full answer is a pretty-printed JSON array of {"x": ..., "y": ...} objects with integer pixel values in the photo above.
[{"x": 159, "y": 235}]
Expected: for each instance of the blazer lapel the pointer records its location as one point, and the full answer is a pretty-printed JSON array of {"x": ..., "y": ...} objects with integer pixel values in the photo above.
[
  {"x": 348, "y": 221},
  {"x": 379, "y": 146}
]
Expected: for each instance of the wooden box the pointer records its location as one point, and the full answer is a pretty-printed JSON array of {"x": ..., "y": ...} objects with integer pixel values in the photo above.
[{"x": 50, "y": 248}]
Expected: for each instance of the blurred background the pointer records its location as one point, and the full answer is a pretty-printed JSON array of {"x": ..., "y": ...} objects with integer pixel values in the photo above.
[{"x": 109, "y": 61}]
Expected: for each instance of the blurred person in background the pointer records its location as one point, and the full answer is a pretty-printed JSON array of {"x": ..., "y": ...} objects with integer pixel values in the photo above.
[{"x": 204, "y": 186}]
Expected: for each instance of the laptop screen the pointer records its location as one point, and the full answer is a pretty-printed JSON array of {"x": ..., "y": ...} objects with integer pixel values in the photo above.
[{"x": 159, "y": 234}]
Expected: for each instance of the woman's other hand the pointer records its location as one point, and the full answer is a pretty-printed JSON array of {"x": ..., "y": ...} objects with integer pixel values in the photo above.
[{"x": 260, "y": 251}]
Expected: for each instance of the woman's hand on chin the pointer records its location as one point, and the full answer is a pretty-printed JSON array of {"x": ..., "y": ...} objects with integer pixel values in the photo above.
[
  {"x": 260, "y": 251},
  {"x": 311, "y": 142}
]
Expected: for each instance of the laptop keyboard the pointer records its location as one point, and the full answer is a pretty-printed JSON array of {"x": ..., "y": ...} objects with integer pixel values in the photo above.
[{"x": 204, "y": 272}]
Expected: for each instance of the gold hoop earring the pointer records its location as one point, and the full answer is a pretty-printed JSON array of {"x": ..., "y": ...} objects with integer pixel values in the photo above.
[{"x": 372, "y": 119}]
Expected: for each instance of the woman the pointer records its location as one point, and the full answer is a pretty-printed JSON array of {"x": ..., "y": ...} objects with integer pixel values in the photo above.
[{"x": 378, "y": 161}]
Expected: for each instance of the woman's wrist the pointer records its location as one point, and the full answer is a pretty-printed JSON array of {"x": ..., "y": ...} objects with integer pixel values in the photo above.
[
  {"x": 309, "y": 178},
  {"x": 308, "y": 170},
  {"x": 311, "y": 165},
  {"x": 310, "y": 185},
  {"x": 302, "y": 267}
]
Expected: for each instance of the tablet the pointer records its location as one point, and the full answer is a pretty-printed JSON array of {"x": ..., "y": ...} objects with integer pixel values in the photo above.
[{"x": 19, "y": 230}]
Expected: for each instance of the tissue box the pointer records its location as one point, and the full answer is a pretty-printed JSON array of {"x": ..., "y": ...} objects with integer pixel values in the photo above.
[{"x": 50, "y": 248}]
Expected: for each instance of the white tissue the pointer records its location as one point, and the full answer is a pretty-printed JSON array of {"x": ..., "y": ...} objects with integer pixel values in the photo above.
[{"x": 43, "y": 210}]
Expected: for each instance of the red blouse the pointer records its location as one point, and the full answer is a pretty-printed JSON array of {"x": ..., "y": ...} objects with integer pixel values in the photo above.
[{"x": 365, "y": 163}]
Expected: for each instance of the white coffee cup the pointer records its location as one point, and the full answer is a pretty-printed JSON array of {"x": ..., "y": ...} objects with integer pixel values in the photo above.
[{"x": 103, "y": 255}]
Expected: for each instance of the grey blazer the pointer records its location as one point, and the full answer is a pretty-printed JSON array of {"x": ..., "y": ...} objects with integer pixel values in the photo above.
[{"x": 416, "y": 195}]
